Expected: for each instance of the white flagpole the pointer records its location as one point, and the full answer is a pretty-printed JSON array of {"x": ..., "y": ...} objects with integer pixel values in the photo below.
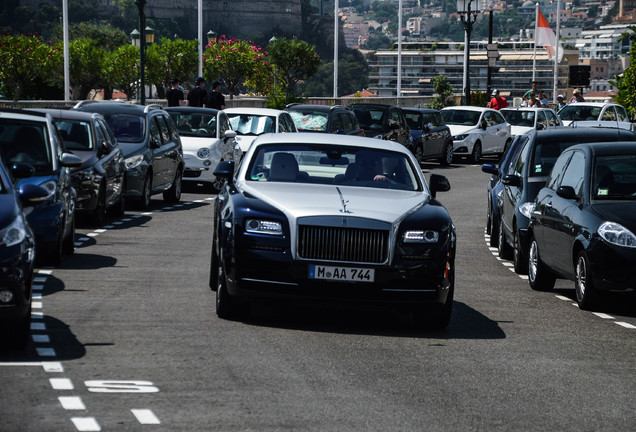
[
  {"x": 399, "y": 59},
  {"x": 556, "y": 54},
  {"x": 200, "y": 31},
  {"x": 534, "y": 57},
  {"x": 335, "y": 50},
  {"x": 67, "y": 79}
]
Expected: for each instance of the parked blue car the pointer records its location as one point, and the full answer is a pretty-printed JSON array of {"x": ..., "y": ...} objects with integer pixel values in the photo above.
[
  {"x": 31, "y": 138},
  {"x": 17, "y": 253}
]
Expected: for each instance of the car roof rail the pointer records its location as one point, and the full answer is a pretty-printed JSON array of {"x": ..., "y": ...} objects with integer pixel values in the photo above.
[
  {"x": 84, "y": 102},
  {"x": 152, "y": 106},
  {"x": 289, "y": 105},
  {"x": 23, "y": 111}
]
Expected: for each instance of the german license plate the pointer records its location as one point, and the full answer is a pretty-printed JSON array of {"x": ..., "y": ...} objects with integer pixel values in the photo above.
[{"x": 348, "y": 274}]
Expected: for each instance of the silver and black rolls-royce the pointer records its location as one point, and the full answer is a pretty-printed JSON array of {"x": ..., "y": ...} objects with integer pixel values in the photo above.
[{"x": 336, "y": 218}]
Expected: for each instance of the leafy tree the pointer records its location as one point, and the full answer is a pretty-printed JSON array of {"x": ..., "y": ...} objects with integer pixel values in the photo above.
[
  {"x": 626, "y": 83},
  {"x": 85, "y": 66},
  {"x": 353, "y": 75},
  {"x": 235, "y": 62},
  {"x": 444, "y": 91},
  {"x": 103, "y": 34},
  {"x": 122, "y": 69},
  {"x": 294, "y": 61},
  {"x": 169, "y": 59},
  {"x": 26, "y": 58}
]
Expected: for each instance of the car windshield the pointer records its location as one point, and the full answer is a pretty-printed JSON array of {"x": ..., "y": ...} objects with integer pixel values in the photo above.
[
  {"x": 461, "y": 117},
  {"x": 576, "y": 112},
  {"x": 195, "y": 124},
  {"x": 328, "y": 164},
  {"x": 309, "y": 120},
  {"x": 252, "y": 124},
  {"x": 370, "y": 118},
  {"x": 26, "y": 142},
  {"x": 614, "y": 178},
  {"x": 519, "y": 117},
  {"x": 127, "y": 127},
  {"x": 76, "y": 134}
]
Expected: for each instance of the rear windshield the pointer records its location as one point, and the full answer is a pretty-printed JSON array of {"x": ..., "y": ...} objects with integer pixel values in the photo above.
[
  {"x": 614, "y": 178},
  {"x": 309, "y": 120},
  {"x": 325, "y": 164},
  {"x": 370, "y": 118},
  {"x": 195, "y": 124},
  {"x": 26, "y": 142},
  {"x": 127, "y": 127}
]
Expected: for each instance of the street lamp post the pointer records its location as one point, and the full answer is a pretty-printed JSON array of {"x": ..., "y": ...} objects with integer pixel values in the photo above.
[
  {"x": 489, "y": 84},
  {"x": 142, "y": 51},
  {"x": 467, "y": 15},
  {"x": 211, "y": 37}
]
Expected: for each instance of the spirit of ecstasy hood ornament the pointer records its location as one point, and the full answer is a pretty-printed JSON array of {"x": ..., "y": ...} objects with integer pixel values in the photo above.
[{"x": 343, "y": 201}]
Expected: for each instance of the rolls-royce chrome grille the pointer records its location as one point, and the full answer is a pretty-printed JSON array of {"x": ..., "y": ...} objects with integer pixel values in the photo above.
[{"x": 343, "y": 244}]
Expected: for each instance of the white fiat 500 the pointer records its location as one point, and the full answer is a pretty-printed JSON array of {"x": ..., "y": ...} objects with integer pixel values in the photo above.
[
  {"x": 207, "y": 139},
  {"x": 251, "y": 122},
  {"x": 477, "y": 131}
]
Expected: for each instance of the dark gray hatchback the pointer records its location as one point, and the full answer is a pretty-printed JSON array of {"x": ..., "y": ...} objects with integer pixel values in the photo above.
[
  {"x": 151, "y": 146},
  {"x": 431, "y": 138}
]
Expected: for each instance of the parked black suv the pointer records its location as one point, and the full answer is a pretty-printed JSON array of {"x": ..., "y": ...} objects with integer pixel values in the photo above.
[
  {"x": 324, "y": 118},
  {"x": 151, "y": 146},
  {"x": 100, "y": 181},
  {"x": 431, "y": 138},
  {"x": 382, "y": 121}
]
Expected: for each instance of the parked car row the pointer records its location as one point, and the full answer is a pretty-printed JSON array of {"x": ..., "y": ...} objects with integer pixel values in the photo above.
[{"x": 560, "y": 204}]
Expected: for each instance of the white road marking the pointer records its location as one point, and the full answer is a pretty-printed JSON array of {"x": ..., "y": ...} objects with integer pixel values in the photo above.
[
  {"x": 86, "y": 424},
  {"x": 37, "y": 315},
  {"x": 39, "y": 279},
  {"x": 626, "y": 325},
  {"x": 61, "y": 384},
  {"x": 118, "y": 223},
  {"x": 109, "y": 226},
  {"x": 198, "y": 201},
  {"x": 45, "y": 272},
  {"x": 492, "y": 249},
  {"x": 560, "y": 297},
  {"x": 145, "y": 416},
  {"x": 602, "y": 315},
  {"x": 36, "y": 305},
  {"x": 524, "y": 277},
  {"x": 53, "y": 367},
  {"x": 37, "y": 287},
  {"x": 37, "y": 338},
  {"x": 508, "y": 264},
  {"x": 93, "y": 234},
  {"x": 38, "y": 326},
  {"x": 72, "y": 403},
  {"x": 84, "y": 238},
  {"x": 147, "y": 213},
  {"x": 36, "y": 296},
  {"x": 210, "y": 198},
  {"x": 46, "y": 352},
  {"x": 79, "y": 243}
]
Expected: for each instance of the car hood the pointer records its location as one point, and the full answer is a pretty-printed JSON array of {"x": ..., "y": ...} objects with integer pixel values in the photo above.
[
  {"x": 621, "y": 212},
  {"x": 244, "y": 141},
  {"x": 296, "y": 201},
  {"x": 520, "y": 130},
  {"x": 193, "y": 144},
  {"x": 461, "y": 129}
]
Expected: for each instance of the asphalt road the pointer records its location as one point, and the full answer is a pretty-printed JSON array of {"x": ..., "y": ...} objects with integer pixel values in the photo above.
[{"x": 126, "y": 339}]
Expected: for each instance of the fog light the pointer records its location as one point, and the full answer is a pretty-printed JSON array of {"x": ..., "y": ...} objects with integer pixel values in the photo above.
[
  {"x": 207, "y": 162},
  {"x": 6, "y": 296}
]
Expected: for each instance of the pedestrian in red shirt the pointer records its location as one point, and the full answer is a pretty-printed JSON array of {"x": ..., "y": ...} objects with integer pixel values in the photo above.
[{"x": 497, "y": 102}]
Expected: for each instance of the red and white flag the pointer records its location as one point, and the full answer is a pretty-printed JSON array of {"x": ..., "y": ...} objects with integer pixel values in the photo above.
[{"x": 544, "y": 36}]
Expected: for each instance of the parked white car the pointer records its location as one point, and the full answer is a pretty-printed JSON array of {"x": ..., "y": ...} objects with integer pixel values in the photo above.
[
  {"x": 207, "y": 139},
  {"x": 523, "y": 120},
  {"x": 601, "y": 114},
  {"x": 477, "y": 131},
  {"x": 252, "y": 122}
]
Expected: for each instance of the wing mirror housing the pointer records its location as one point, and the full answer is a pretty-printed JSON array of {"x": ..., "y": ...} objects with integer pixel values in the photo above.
[
  {"x": 229, "y": 134},
  {"x": 31, "y": 195},
  {"x": 438, "y": 183},
  {"x": 70, "y": 160},
  {"x": 512, "y": 180},
  {"x": 224, "y": 171},
  {"x": 567, "y": 192},
  {"x": 22, "y": 170},
  {"x": 490, "y": 169}
]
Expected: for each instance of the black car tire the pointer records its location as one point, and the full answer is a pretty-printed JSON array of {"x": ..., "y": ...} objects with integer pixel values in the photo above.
[
  {"x": 539, "y": 276},
  {"x": 144, "y": 200},
  {"x": 586, "y": 293},
  {"x": 504, "y": 251},
  {"x": 226, "y": 305},
  {"x": 99, "y": 214},
  {"x": 68, "y": 245},
  {"x": 447, "y": 157},
  {"x": 214, "y": 267},
  {"x": 173, "y": 194},
  {"x": 475, "y": 156},
  {"x": 22, "y": 334},
  {"x": 519, "y": 257},
  {"x": 51, "y": 253},
  {"x": 419, "y": 152},
  {"x": 436, "y": 317}
]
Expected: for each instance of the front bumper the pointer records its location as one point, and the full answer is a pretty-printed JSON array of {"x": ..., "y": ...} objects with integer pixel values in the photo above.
[
  {"x": 612, "y": 266},
  {"x": 463, "y": 147},
  {"x": 198, "y": 170}
]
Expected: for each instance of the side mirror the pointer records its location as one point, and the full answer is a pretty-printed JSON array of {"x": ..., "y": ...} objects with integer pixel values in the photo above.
[
  {"x": 224, "y": 171},
  {"x": 70, "y": 160},
  {"x": 429, "y": 127},
  {"x": 438, "y": 183},
  {"x": 31, "y": 194},
  {"x": 394, "y": 126},
  {"x": 567, "y": 192},
  {"x": 22, "y": 170},
  {"x": 490, "y": 169},
  {"x": 540, "y": 126},
  {"x": 106, "y": 147},
  {"x": 229, "y": 134},
  {"x": 512, "y": 180},
  {"x": 156, "y": 143},
  {"x": 484, "y": 125}
]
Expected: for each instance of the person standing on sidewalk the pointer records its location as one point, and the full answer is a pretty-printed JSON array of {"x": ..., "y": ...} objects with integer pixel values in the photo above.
[
  {"x": 497, "y": 102},
  {"x": 215, "y": 99},
  {"x": 175, "y": 95},
  {"x": 197, "y": 96}
]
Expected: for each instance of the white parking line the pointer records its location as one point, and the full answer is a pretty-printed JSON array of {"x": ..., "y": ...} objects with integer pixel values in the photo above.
[
  {"x": 40, "y": 278},
  {"x": 52, "y": 366},
  {"x": 36, "y": 305},
  {"x": 145, "y": 416},
  {"x": 72, "y": 403},
  {"x": 560, "y": 297},
  {"x": 61, "y": 384},
  {"x": 45, "y": 352},
  {"x": 45, "y": 272},
  {"x": 38, "y": 326},
  {"x": 602, "y": 315},
  {"x": 37, "y": 338},
  {"x": 626, "y": 325},
  {"x": 93, "y": 234},
  {"x": 86, "y": 424}
]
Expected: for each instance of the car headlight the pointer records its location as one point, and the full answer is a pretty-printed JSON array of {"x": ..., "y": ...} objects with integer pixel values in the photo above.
[
  {"x": 263, "y": 227},
  {"x": 423, "y": 236},
  {"x": 134, "y": 162},
  {"x": 461, "y": 137},
  {"x": 526, "y": 209},
  {"x": 203, "y": 153},
  {"x": 86, "y": 175},
  {"x": 50, "y": 187},
  {"x": 14, "y": 233},
  {"x": 617, "y": 234}
]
